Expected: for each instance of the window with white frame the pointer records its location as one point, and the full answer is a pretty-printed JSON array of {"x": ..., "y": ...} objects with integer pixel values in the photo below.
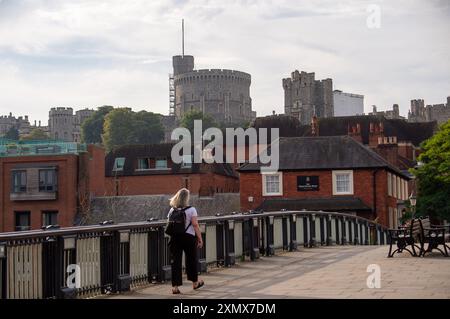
[
  {"x": 394, "y": 187},
  {"x": 342, "y": 182},
  {"x": 389, "y": 178},
  {"x": 272, "y": 184}
]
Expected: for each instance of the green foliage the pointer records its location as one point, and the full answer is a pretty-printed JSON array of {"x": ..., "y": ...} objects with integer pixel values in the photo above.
[
  {"x": 92, "y": 127},
  {"x": 122, "y": 126},
  {"x": 188, "y": 120},
  {"x": 434, "y": 175},
  {"x": 12, "y": 134},
  {"x": 36, "y": 134}
]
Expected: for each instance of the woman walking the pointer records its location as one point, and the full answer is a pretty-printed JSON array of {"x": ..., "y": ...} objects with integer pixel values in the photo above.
[{"x": 185, "y": 236}]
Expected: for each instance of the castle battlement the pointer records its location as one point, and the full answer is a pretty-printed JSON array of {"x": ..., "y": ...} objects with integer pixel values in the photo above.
[{"x": 212, "y": 74}]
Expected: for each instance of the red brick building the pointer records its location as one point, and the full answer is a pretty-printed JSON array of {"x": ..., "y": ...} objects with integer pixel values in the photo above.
[
  {"x": 396, "y": 140},
  {"x": 149, "y": 170},
  {"x": 47, "y": 183},
  {"x": 330, "y": 174}
]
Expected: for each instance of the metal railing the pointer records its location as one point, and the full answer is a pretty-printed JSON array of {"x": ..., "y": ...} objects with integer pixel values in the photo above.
[
  {"x": 111, "y": 258},
  {"x": 33, "y": 148}
]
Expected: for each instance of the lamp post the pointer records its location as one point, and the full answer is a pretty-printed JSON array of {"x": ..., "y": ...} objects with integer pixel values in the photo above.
[{"x": 412, "y": 200}]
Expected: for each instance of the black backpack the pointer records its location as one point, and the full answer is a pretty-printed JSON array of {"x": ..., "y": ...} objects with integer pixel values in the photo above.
[{"x": 177, "y": 221}]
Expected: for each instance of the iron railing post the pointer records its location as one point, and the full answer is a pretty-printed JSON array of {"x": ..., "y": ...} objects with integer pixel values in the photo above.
[
  {"x": 69, "y": 248},
  {"x": 380, "y": 230},
  {"x": 350, "y": 230},
  {"x": 312, "y": 230},
  {"x": 123, "y": 277},
  {"x": 270, "y": 248},
  {"x": 3, "y": 263},
  {"x": 220, "y": 244},
  {"x": 356, "y": 233},
  {"x": 293, "y": 232},
  {"x": 202, "y": 265},
  {"x": 338, "y": 230},
  {"x": 366, "y": 232},
  {"x": 344, "y": 231},
  {"x": 284, "y": 231},
  {"x": 305, "y": 231},
  {"x": 322, "y": 227},
  {"x": 329, "y": 230},
  {"x": 254, "y": 228},
  {"x": 229, "y": 243}
]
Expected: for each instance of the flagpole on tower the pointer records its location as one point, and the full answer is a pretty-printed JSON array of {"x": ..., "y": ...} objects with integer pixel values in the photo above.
[{"x": 182, "y": 37}]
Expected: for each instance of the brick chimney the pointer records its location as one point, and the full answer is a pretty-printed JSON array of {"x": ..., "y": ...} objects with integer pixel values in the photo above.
[
  {"x": 376, "y": 130},
  {"x": 354, "y": 131},
  {"x": 388, "y": 148}
]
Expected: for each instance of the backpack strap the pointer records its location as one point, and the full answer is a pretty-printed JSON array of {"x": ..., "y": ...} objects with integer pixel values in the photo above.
[{"x": 184, "y": 211}]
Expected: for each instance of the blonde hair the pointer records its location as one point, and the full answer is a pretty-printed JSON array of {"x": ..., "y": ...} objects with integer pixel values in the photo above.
[{"x": 180, "y": 199}]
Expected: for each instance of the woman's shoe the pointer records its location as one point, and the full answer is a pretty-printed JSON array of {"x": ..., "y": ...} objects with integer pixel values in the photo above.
[
  {"x": 200, "y": 284},
  {"x": 176, "y": 291}
]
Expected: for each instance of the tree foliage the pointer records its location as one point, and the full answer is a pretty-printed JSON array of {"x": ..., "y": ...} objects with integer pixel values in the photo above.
[
  {"x": 12, "y": 134},
  {"x": 122, "y": 126},
  {"x": 92, "y": 127},
  {"x": 433, "y": 175},
  {"x": 188, "y": 120},
  {"x": 36, "y": 134}
]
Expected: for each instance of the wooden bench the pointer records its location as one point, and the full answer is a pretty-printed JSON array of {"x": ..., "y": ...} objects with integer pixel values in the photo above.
[
  {"x": 404, "y": 237},
  {"x": 434, "y": 236},
  {"x": 422, "y": 232}
]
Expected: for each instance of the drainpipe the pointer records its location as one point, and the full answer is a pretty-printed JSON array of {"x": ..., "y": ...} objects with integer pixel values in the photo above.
[{"x": 374, "y": 182}]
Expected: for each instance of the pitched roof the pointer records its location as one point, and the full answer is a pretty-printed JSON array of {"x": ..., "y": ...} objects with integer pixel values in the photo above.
[
  {"x": 331, "y": 204},
  {"x": 132, "y": 153},
  {"x": 324, "y": 152}
]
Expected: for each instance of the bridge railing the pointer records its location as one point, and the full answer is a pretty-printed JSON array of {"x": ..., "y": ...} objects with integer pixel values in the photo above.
[{"x": 101, "y": 259}]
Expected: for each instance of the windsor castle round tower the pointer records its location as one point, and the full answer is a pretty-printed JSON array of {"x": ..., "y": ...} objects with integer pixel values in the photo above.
[{"x": 222, "y": 94}]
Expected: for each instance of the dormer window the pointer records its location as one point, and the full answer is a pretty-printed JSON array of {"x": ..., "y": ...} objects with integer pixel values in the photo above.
[
  {"x": 119, "y": 163},
  {"x": 187, "y": 161},
  {"x": 161, "y": 163},
  {"x": 143, "y": 163}
]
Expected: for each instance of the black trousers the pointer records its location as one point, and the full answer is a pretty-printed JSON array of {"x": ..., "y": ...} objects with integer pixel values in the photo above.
[{"x": 188, "y": 244}]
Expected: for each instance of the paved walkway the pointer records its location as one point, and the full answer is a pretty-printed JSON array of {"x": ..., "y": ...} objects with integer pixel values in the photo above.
[{"x": 325, "y": 272}]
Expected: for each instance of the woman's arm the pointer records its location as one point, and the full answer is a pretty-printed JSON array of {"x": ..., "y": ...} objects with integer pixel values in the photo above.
[{"x": 194, "y": 223}]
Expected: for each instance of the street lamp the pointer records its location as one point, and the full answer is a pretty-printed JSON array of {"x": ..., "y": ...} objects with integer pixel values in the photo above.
[{"x": 412, "y": 200}]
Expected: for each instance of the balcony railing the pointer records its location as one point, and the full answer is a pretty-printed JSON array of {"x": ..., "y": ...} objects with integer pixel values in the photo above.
[
  {"x": 34, "y": 148},
  {"x": 111, "y": 258}
]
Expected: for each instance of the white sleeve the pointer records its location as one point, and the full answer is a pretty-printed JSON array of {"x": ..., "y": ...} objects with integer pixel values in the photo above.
[{"x": 194, "y": 212}]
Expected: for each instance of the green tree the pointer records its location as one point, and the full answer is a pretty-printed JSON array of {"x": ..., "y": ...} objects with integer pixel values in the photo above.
[
  {"x": 12, "y": 134},
  {"x": 433, "y": 175},
  {"x": 147, "y": 128},
  {"x": 92, "y": 127},
  {"x": 188, "y": 120},
  {"x": 36, "y": 134},
  {"x": 124, "y": 127}
]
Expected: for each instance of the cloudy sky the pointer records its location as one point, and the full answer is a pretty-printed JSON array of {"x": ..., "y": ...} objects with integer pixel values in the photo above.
[{"x": 89, "y": 53}]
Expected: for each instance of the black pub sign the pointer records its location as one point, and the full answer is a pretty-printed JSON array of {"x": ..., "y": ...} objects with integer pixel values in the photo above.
[{"x": 307, "y": 183}]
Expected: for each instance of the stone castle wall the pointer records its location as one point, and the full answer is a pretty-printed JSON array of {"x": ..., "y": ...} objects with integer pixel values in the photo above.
[{"x": 305, "y": 97}]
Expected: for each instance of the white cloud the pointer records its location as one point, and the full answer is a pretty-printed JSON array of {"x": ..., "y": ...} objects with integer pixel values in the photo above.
[{"x": 88, "y": 53}]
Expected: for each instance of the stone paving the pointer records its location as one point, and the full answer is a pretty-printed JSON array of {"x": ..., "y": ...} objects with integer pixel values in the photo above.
[{"x": 325, "y": 272}]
